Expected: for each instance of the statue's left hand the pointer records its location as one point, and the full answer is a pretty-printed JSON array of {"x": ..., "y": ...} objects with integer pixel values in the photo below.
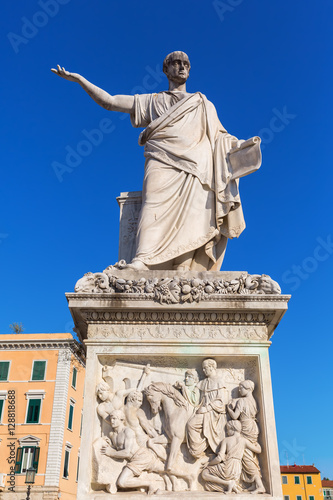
[{"x": 72, "y": 77}]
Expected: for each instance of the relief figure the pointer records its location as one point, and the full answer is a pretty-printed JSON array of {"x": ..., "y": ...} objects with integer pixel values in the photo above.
[
  {"x": 136, "y": 418},
  {"x": 111, "y": 399},
  {"x": 245, "y": 409},
  {"x": 122, "y": 444},
  {"x": 189, "y": 389},
  {"x": 224, "y": 471},
  {"x": 206, "y": 427}
]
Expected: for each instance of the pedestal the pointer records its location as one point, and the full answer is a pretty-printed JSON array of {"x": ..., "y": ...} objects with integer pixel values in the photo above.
[{"x": 146, "y": 331}]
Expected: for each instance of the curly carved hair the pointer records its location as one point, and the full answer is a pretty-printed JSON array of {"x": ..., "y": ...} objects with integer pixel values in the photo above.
[{"x": 178, "y": 54}]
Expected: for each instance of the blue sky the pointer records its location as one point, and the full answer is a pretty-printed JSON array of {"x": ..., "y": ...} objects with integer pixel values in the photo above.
[{"x": 266, "y": 67}]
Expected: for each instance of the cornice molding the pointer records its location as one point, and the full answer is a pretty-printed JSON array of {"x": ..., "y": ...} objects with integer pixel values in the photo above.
[{"x": 33, "y": 345}]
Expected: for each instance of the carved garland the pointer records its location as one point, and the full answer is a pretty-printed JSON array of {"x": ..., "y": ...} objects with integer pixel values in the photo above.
[{"x": 177, "y": 289}]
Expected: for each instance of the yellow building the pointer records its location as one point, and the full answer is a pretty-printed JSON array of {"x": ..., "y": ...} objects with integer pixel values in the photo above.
[
  {"x": 41, "y": 399},
  {"x": 301, "y": 482},
  {"x": 327, "y": 486}
]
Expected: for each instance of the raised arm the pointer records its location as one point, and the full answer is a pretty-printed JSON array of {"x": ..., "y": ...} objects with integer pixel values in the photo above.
[
  {"x": 234, "y": 412},
  {"x": 123, "y": 103}
]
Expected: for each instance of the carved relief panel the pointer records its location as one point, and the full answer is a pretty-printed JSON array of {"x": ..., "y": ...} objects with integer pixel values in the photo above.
[{"x": 176, "y": 424}]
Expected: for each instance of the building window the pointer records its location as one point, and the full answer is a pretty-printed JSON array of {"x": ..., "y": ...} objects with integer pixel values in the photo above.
[
  {"x": 311, "y": 497},
  {"x": 284, "y": 480},
  {"x": 33, "y": 412},
  {"x": 66, "y": 462},
  {"x": 77, "y": 468},
  {"x": 4, "y": 370},
  {"x": 298, "y": 497},
  {"x": 3, "y": 397},
  {"x": 74, "y": 377},
  {"x": 2, "y": 404},
  {"x": 38, "y": 370},
  {"x": 308, "y": 479},
  {"x": 286, "y": 497},
  {"x": 26, "y": 457},
  {"x": 296, "y": 478},
  {"x": 71, "y": 414}
]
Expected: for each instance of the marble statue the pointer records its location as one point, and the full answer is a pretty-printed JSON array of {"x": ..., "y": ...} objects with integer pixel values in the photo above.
[
  {"x": 190, "y": 197},
  {"x": 122, "y": 444},
  {"x": 114, "y": 400},
  {"x": 189, "y": 389},
  {"x": 245, "y": 409},
  {"x": 136, "y": 418},
  {"x": 226, "y": 468},
  {"x": 207, "y": 425}
]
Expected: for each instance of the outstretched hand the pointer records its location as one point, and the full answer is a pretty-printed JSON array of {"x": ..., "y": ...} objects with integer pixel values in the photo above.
[{"x": 72, "y": 77}]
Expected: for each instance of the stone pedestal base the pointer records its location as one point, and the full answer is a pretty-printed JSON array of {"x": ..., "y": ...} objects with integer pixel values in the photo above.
[
  {"x": 37, "y": 493},
  {"x": 146, "y": 336}
]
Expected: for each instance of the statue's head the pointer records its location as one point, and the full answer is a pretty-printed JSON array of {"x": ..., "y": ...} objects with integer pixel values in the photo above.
[
  {"x": 103, "y": 391},
  {"x": 117, "y": 418},
  {"x": 209, "y": 367},
  {"x": 135, "y": 398},
  {"x": 191, "y": 377},
  {"x": 177, "y": 66},
  {"x": 245, "y": 387},
  {"x": 233, "y": 426}
]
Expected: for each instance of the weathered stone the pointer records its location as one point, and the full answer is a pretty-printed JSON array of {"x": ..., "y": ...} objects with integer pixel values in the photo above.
[{"x": 139, "y": 355}]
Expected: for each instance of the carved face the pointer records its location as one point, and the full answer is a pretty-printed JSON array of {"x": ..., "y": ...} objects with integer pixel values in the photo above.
[
  {"x": 115, "y": 421},
  {"x": 189, "y": 379},
  {"x": 242, "y": 390},
  {"x": 178, "y": 70},
  {"x": 103, "y": 394},
  {"x": 208, "y": 368},
  {"x": 136, "y": 400}
]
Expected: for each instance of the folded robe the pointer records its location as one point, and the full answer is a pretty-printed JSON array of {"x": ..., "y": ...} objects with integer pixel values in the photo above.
[{"x": 190, "y": 200}]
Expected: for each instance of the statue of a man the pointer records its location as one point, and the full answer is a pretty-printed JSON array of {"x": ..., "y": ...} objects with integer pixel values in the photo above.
[
  {"x": 190, "y": 198},
  {"x": 206, "y": 427}
]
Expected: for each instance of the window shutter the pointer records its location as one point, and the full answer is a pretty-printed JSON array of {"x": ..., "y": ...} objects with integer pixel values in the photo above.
[
  {"x": 66, "y": 473},
  {"x": 4, "y": 368},
  {"x": 30, "y": 411},
  {"x": 39, "y": 370},
  {"x": 33, "y": 411},
  {"x": 70, "y": 417},
  {"x": 37, "y": 408},
  {"x": 74, "y": 378},
  {"x": 36, "y": 459},
  {"x": 78, "y": 468},
  {"x": 18, "y": 463},
  {"x": 1, "y": 408}
]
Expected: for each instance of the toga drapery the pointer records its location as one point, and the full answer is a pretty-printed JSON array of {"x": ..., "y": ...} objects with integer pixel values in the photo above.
[
  {"x": 207, "y": 429},
  {"x": 189, "y": 202}
]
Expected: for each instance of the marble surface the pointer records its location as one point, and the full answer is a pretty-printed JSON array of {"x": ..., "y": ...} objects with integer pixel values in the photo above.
[
  {"x": 190, "y": 202},
  {"x": 165, "y": 382}
]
